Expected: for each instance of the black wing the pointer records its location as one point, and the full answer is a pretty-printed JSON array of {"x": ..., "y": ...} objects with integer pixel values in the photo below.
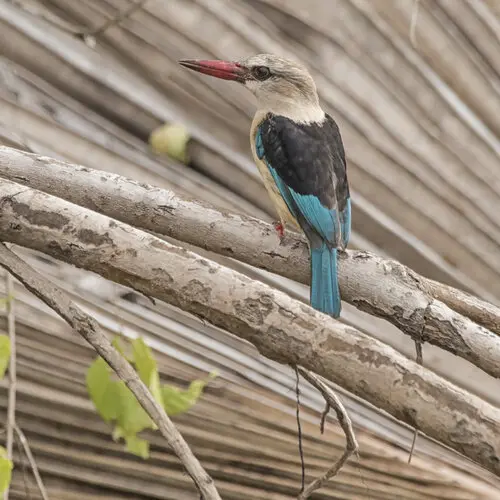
[
  {"x": 308, "y": 164},
  {"x": 310, "y": 158}
]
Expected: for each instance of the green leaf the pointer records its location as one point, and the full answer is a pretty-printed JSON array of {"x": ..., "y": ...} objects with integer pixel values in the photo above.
[
  {"x": 104, "y": 392},
  {"x": 131, "y": 416},
  {"x": 144, "y": 361},
  {"x": 137, "y": 446},
  {"x": 115, "y": 402},
  {"x": 177, "y": 401},
  {"x": 117, "y": 344},
  {"x": 118, "y": 433},
  {"x": 147, "y": 368},
  {"x": 4, "y": 354},
  {"x": 5, "y": 470}
]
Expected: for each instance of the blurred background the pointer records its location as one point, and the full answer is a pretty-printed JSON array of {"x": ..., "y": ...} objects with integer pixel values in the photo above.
[{"x": 415, "y": 88}]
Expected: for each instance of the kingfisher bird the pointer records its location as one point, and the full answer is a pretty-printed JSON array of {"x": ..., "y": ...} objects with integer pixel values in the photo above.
[{"x": 299, "y": 152}]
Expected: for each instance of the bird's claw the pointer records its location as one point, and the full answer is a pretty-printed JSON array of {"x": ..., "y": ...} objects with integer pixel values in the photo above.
[{"x": 280, "y": 229}]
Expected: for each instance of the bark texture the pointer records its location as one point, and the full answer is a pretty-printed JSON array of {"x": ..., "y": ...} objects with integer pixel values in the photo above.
[
  {"x": 281, "y": 328},
  {"x": 421, "y": 308}
]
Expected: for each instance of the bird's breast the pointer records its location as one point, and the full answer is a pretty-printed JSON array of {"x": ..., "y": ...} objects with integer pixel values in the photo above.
[{"x": 269, "y": 183}]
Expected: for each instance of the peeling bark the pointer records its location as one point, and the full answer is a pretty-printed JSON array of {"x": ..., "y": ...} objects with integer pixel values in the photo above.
[
  {"x": 281, "y": 328},
  {"x": 421, "y": 308}
]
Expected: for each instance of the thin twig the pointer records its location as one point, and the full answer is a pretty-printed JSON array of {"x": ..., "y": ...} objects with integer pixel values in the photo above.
[
  {"x": 299, "y": 432},
  {"x": 11, "y": 411},
  {"x": 27, "y": 491},
  {"x": 89, "y": 329},
  {"x": 420, "y": 354},
  {"x": 420, "y": 361},
  {"x": 351, "y": 447},
  {"x": 413, "y": 444},
  {"x": 121, "y": 16},
  {"x": 32, "y": 461},
  {"x": 413, "y": 26},
  {"x": 323, "y": 418}
]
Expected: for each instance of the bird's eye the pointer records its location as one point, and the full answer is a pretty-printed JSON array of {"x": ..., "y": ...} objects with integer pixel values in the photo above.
[{"x": 261, "y": 72}]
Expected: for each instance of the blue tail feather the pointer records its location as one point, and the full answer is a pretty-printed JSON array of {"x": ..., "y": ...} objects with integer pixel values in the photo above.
[{"x": 325, "y": 293}]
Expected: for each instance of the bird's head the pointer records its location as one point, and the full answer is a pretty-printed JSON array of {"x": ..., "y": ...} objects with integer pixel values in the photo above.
[{"x": 281, "y": 86}]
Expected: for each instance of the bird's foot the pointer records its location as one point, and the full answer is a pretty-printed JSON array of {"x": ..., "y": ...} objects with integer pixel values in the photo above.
[{"x": 280, "y": 229}]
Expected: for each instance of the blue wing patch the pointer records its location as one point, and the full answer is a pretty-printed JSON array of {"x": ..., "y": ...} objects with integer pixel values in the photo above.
[
  {"x": 308, "y": 207},
  {"x": 345, "y": 222}
]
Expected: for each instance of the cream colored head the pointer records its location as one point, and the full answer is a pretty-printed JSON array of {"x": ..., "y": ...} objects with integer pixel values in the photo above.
[{"x": 281, "y": 86}]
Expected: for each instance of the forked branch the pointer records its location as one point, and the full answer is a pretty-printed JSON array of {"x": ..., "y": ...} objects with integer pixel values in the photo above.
[{"x": 332, "y": 402}]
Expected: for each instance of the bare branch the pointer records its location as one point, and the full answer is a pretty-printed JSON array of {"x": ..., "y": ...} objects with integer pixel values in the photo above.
[
  {"x": 384, "y": 288},
  {"x": 281, "y": 328},
  {"x": 351, "y": 446},
  {"x": 413, "y": 443},
  {"x": 481, "y": 312},
  {"x": 11, "y": 411},
  {"x": 299, "y": 432},
  {"x": 31, "y": 458},
  {"x": 91, "y": 332},
  {"x": 420, "y": 361},
  {"x": 324, "y": 414},
  {"x": 27, "y": 492}
]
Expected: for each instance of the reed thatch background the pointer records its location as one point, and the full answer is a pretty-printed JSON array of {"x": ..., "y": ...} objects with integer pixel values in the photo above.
[{"x": 421, "y": 125}]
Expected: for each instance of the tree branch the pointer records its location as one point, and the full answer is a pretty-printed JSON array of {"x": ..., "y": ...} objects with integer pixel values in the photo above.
[
  {"x": 417, "y": 306},
  {"x": 332, "y": 401},
  {"x": 281, "y": 328},
  {"x": 481, "y": 312},
  {"x": 84, "y": 325}
]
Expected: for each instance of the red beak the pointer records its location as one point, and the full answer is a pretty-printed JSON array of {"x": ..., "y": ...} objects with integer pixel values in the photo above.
[{"x": 220, "y": 69}]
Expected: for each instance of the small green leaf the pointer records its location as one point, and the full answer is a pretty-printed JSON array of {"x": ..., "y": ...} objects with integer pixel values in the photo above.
[
  {"x": 104, "y": 392},
  {"x": 117, "y": 344},
  {"x": 147, "y": 368},
  {"x": 5, "y": 470},
  {"x": 144, "y": 361},
  {"x": 177, "y": 401},
  {"x": 137, "y": 446},
  {"x": 118, "y": 433},
  {"x": 115, "y": 402},
  {"x": 131, "y": 416},
  {"x": 4, "y": 354}
]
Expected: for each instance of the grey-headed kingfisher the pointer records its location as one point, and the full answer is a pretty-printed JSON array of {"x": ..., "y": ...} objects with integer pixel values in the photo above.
[{"x": 299, "y": 152}]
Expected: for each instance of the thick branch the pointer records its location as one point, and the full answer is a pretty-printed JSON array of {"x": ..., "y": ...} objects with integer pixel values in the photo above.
[
  {"x": 281, "y": 328},
  {"x": 479, "y": 311},
  {"x": 381, "y": 287},
  {"x": 91, "y": 332}
]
